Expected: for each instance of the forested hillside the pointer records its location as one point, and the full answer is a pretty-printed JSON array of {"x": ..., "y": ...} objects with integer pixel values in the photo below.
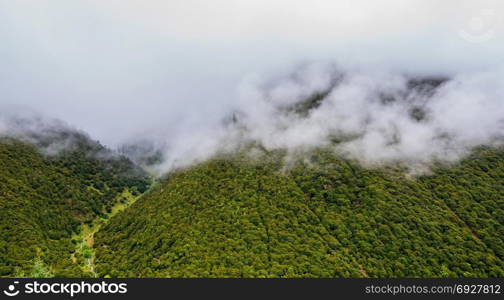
[
  {"x": 245, "y": 215},
  {"x": 322, "y": 217},
  {"x": 44, "y": 199}
]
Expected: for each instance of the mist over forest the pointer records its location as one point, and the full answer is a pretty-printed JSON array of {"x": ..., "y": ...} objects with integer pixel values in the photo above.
[{"x": 251, "y": 139}]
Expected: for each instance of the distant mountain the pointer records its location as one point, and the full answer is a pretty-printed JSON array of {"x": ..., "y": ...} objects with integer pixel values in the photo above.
[
  {"x": 143, "y": 152},
  {"x": 322, "y": 217}
]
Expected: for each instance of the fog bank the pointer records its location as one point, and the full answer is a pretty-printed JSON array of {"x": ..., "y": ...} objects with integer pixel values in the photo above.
[{"x": 187, "y": 78}]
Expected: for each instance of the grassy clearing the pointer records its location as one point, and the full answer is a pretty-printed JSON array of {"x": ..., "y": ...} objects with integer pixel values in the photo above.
[{"x": 84, "y": 252}]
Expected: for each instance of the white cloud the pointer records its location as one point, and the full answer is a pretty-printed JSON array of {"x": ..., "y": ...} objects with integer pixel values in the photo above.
[{"x": 174, "y": 69}]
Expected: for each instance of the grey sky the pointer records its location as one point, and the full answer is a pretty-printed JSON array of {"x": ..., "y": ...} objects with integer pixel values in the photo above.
[{"x": 120, "y": 68}]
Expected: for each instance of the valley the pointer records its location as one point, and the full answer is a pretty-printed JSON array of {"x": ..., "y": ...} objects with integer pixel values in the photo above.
[{"x": 85, "y": 252}]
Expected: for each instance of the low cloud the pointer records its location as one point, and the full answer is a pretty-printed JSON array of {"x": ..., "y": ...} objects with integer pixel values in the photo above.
[
  {"x": 381, "y": 117},
  {"x": 175, "y": 82},
  {"x": 374, "y": 117}
]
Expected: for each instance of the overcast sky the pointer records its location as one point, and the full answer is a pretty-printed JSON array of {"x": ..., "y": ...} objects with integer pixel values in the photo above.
[{"x": 118, "y": 68}]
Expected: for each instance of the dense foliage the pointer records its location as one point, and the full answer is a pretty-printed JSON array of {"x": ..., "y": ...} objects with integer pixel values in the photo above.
[
  {"x": 237, "y": 216},
  {"x": 322, "y": 217},
  {"x": 44, "y": 200}
]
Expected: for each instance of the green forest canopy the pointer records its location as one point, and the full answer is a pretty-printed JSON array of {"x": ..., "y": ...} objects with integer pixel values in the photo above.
[
  {"x": 44, "y": 200},
  {"x": 324, "y": 216}
]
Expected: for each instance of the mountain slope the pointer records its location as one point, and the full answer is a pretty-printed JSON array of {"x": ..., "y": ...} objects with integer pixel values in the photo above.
[
  {"x": 325, "y": 217},
  {"x": 221, "y": 219},
  {"x": 44, "y": 200},
  {"x": 398, "y": 227}
]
